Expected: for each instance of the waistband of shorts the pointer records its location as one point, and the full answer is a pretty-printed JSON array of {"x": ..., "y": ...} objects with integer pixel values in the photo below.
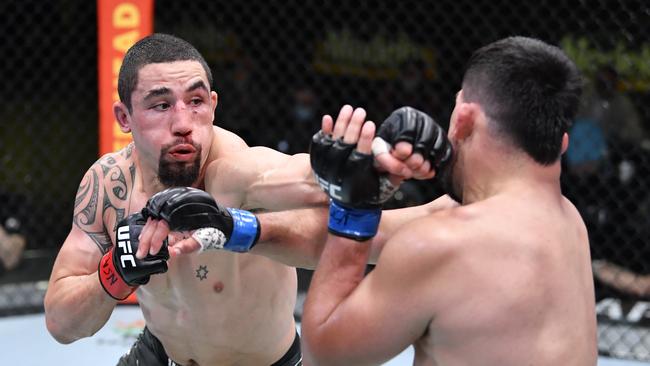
[{"x": 291, "y": 352}]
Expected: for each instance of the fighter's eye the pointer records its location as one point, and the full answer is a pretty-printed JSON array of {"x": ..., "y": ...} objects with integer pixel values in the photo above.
[{"x": 161, "y": 106}]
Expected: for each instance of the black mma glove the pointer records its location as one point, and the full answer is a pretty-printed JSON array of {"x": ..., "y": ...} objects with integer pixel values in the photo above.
[
  {"x": 216, "y": 227},
  {"x": 120, "y": 272},
  {"x": 420, "y": 130},
  {"x": 356, "y": 189}
]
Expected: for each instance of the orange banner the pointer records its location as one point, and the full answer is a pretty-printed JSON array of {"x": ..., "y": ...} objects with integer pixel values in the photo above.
[{"x": 121, "y": 24}]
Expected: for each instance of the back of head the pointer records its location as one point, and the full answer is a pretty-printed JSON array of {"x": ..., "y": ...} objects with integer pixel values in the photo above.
[
  {"x": 529, "y": 91},
  {"x": 156, "y": 48}
]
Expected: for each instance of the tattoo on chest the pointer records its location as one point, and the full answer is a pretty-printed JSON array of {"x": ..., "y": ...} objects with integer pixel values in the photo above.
[{"x": 202, "y": 273}]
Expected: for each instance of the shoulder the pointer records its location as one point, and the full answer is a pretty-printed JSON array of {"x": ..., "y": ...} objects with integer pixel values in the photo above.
[
  {"x": 437, "y": 238},
  {"x": 225, "y": 143},
  {"x": 121, "y": 159},
  {"x": 105, "y": 188}
]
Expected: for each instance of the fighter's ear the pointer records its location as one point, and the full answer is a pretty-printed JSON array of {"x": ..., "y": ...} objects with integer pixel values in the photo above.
[
  {"x": 565, "y": 142},
  {"x": 214, "y": 97},
  {"x": 122, "y": 116},
  {"x": 466, "y": 115}
]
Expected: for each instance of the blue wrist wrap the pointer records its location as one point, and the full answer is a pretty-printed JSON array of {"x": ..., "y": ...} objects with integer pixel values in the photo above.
[
  {"x": 245, "y": 231},
  {"x": 354, "y": 223}
]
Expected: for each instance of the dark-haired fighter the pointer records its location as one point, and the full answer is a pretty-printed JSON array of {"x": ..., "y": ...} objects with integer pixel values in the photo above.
[
  {"x": 210, "y": 308},
  {"x": 504, "y": 278}
]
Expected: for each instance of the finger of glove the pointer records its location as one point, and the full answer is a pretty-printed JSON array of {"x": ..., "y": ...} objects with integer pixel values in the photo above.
[
  {"x": 153, "y": 266},
  {"x": 415, "y": 161},
  {"x": 353, "y": 129},
  {"x": 327, "y": 124},
  {"x": 424, "y": 171},
  {"x": 158, "y": 236},
  {"x": 185, "y": 246},
  {"x": 364, "y": 144},
  {"x": 402, "y": 150},
  {"x": 342, "y": 121},
  {"x": 395, "y": 167},
  {"x": 144, "y": 239}
]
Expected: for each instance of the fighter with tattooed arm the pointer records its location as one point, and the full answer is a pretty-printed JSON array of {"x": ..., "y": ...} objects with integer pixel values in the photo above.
[{"x": 215, "y": 307}]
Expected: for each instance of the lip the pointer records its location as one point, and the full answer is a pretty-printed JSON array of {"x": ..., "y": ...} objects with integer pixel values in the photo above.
[{"x": 182, "y": 152}]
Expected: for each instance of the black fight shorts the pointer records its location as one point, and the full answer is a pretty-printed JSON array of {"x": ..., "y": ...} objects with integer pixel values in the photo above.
[{"x": 148, "y": 351}]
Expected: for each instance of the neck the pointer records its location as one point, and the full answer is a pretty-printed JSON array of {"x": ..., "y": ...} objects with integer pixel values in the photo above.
[{"x": 514, "y": 173}]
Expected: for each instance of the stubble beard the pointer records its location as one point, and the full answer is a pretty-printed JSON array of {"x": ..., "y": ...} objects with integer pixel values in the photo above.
[{"x": 178, "y": 173}]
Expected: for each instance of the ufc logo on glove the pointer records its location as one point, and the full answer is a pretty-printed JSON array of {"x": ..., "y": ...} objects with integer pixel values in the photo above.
[{"x": 124, "y": 243}]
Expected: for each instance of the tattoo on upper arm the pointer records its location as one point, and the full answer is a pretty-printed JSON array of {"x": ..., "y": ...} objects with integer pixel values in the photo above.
[
  {"x": 85, "y": 210},
  {"x": 115, "y": 187},
  {"x": 89, "y": 188},
  {"x": 102, "y": 240}
]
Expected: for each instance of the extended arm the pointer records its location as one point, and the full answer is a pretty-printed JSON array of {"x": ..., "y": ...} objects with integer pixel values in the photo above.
[{"x": 260, "y": 178}]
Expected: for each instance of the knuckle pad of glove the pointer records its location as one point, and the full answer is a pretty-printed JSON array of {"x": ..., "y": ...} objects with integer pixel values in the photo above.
[
  {"x": 441, "y": 151},
  {"x": 403, "y": 124},
  {"x": 188, "y": 208},
  {"x": 360, "y": 181},
  {"x": 421, "y": 130}
]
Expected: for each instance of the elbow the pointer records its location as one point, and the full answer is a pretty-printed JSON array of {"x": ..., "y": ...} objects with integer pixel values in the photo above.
[
  {"x": 62, "y": 329},
  {"x": 57, "y": 331},
  {"x": 317, "y": 350}
]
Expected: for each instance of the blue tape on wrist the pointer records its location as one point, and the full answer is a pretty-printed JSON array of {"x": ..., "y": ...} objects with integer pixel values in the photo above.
[
  {"x": 244, "y": 231},
  {"x": 354, "y": 223}
]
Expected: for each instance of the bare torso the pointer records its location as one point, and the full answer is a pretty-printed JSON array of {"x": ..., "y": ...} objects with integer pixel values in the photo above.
[
  {"x": 518, "y": 290},
  {"x": 213, "y": 308}
]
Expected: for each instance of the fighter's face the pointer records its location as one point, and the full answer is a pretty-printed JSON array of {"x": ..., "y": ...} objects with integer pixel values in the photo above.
[
  {"x": 450, "y": 176},
  {"x": 171, "y": 122}
]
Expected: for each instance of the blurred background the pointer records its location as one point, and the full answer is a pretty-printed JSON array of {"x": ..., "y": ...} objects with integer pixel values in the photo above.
[{"x": 279, "y": 65}]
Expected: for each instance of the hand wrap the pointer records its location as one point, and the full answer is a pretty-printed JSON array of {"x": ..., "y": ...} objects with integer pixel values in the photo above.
[{"x": 186, "y": 208}]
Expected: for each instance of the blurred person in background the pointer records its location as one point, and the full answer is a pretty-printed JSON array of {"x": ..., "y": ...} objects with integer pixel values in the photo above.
[
  {"x": 606, "y": 159},
  {"x": 12, "y": 236},
  {"x": 412, "y": 88}
]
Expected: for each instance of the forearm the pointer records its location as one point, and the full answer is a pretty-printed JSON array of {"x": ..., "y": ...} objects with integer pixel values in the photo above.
[
  {"x": 290, "y": 185},
  {"x": 76, "y": 307},
  {"x": 295, "y": 237},
  {"x": 339, "y": 272}
]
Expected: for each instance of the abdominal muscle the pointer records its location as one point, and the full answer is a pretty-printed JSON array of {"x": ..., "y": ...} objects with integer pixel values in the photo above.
[{"x": 222, "y": 308}]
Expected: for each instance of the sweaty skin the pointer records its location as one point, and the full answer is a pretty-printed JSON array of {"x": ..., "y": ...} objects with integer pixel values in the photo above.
[
  {"x": 503, "y": 279},
  {"x": 250, "y": 321},
  {"x": 210, "y": 308}
]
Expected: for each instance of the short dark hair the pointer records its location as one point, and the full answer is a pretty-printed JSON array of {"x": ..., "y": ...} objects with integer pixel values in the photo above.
[
  {"x": 156, "y": 48},
  {"x": 529, "y": 89}
]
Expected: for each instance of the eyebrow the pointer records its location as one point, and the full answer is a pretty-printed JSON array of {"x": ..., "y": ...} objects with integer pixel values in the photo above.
[
  {"x": 156, "y": 93},
  {"x": 198, "y": 85},
  {"x": 153, "y": 93}
]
